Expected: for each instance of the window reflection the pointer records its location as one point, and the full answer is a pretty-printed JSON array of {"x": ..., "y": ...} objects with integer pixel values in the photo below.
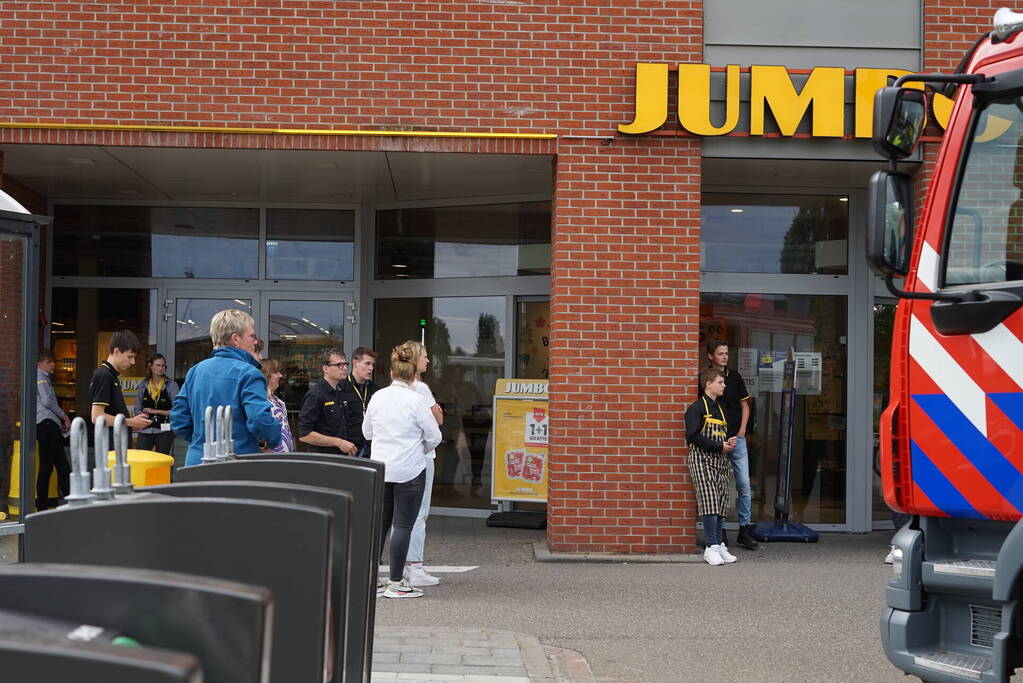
[
  {"x": 465, "y": 339},
  {"x": 749, "y": 233},
  {"x": 464, "y": 241},
  {"x": 192, "y": 342},
  {"x": 12, "y": 265},
  {"x": 310, "y": 244},
  {"x": 156, "y": 241},
  {"x": 759, "y": 330}
]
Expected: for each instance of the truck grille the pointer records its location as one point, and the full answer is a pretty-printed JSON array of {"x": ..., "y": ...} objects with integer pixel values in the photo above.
[{"x": 985, "y": 623}]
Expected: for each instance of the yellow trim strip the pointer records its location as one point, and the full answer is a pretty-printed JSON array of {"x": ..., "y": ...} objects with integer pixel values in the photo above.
[{"x": 280, "y": 131}]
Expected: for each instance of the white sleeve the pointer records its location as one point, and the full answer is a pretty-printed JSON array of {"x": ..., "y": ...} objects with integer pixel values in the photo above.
[
  {"x": 426, "y": 394},
  {"x": 367, "y": 422},
  {"x": 428, "y": 423}
]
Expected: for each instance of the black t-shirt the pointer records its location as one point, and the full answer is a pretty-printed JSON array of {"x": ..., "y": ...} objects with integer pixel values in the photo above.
[
  {"x": 731, "y": 400},
  {"x": 323, "y": 411},
  {"x": 105, "y": 390},
  {"x": 355, "y": 397}
]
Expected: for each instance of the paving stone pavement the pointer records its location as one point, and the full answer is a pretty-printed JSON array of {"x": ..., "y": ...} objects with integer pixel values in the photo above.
[{"x": 458, "y": 655}]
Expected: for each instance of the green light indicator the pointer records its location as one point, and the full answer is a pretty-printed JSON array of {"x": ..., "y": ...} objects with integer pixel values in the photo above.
[{"x": 422, "y": 322}]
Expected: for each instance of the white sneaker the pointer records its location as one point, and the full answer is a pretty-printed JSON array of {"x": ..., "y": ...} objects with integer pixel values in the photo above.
[
  {"x": 381, "y": 586},
  {"x": 890, "y": 557},
  {"x": 401, "y": 589},
  {"x": 712, "y": 557},
  {"x": 417, "y": 576},
  {"x": 725, "y": 555}
]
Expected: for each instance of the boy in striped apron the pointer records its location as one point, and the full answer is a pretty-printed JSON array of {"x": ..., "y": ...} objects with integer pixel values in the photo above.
[{"x": 706, "y": 435}]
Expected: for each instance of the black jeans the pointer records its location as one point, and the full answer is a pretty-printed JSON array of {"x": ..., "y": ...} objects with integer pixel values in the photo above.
[
  {"x": 51, "y": 456},
  {"x": 161, "y": 443},
  {"x": 401, "y": 507}
]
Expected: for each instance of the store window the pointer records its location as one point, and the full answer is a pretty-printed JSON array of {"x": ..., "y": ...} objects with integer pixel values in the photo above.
[
  {"x": 466, "y": 343},
  {"x": 760, "y": 329},
  {"x": 532, "y": 339},
  {"x": 776, "y": 233},
  {"x": 310, "y": 244},
  {"x": 156, "y": 241},
  {"x": 464, "y": 241},
  {"x": 83, "y": 321}
]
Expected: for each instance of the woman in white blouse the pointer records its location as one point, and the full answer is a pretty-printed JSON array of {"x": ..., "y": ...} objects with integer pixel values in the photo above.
[{"x": 403, "y": 431}]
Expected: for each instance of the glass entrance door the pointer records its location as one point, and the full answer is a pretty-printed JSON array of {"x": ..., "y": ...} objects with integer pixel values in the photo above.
[
  {"x": 297, "y": 328},
  {"x": 189, "y": 315}
]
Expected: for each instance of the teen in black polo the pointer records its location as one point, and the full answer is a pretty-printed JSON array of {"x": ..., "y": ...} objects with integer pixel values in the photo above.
[{"x": 105, "y": 387}]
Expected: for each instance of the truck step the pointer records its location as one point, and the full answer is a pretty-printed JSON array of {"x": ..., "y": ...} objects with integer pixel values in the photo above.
[
  {"x": 984, "y": 568},
  {"x": 955, "y": 663}
]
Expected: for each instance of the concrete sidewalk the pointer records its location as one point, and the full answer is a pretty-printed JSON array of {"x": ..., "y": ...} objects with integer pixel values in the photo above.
[{"x": 460, "y": 655}]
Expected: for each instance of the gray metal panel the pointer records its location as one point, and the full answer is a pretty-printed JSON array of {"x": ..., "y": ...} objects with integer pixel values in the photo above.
[
  {"x": 807, "y": 57},
  {"x": 864, "y": 23},
  {"x": 160, "y": 609},
  {"x": 789, "y": 148}
]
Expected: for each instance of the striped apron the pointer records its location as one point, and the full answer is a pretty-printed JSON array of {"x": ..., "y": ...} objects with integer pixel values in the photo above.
[{"x": 709, "y": 470}]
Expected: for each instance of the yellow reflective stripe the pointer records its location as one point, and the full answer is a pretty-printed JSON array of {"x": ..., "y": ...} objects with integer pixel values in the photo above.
[{"x": 329, "y": 403}]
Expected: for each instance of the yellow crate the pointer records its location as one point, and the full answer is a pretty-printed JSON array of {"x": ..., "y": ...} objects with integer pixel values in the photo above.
[
  {"x": 14, "y": 504},
  {"x": 148, "y": 468}
]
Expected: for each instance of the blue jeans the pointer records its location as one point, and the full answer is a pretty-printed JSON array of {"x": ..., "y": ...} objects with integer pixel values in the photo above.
[
  {"x": 418, "y": 540},
  {"x": 740, "y": 468}
]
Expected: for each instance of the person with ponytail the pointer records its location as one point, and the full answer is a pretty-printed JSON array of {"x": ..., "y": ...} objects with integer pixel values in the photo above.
[{"x": 403, "y": 431}]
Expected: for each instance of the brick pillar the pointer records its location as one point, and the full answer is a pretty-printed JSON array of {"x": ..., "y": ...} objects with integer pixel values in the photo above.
[{"x": 624, "y": 346}]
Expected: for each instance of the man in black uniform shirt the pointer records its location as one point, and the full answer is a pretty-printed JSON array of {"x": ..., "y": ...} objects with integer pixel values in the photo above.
[
  {"x": 105, "y": 387},
  {"x": 321, "y": 419},
  {"x": 735, "y": 402},
  {"x": 355, "y": 392}
]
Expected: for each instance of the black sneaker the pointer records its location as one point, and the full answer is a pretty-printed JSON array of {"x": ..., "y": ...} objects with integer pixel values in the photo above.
[{"x": 745, "y": 538}]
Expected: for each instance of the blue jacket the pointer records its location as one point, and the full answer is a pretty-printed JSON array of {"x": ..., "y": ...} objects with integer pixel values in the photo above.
[{"x": 231, "y": 377}]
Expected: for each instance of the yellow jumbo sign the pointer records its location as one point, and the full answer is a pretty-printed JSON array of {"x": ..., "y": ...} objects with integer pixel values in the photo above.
[{"x": 771, "y": 89}]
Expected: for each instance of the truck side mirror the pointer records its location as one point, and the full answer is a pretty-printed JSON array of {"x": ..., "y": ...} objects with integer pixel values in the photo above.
[
  {"x": 890, "y": 217},
  {"x": 900, "y": 115}
]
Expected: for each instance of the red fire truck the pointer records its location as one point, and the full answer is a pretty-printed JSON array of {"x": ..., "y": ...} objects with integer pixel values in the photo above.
[{"x": 952, "y": 434}]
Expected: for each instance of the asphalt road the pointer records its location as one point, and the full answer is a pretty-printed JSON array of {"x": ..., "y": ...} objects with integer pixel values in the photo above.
[{"x": 786, "y": 613}]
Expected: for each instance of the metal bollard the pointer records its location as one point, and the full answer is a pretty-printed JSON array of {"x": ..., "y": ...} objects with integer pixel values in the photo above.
[
  {"x": 122, "y": 470},
  {"x": 218, "y": 442},
  {"x": 101, "y": 472},
  {"x": 80, "y": 493},
  {"x": 225, "y": 444},
  {"x": 208, "y": 454}
]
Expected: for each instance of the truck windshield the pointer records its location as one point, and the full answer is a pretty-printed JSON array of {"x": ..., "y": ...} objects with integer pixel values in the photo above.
[{"x": 986, "y": 240}]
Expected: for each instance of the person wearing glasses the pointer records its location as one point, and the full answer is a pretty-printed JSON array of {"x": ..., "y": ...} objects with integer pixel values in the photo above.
[{"x": 321, "y": 419}]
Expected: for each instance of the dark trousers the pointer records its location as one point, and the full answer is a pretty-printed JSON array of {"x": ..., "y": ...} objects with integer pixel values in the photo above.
[
  {"x": 401, "y": 507},
  {"x": 161, "y": 443},
  {"x": 51, "y": 456}
]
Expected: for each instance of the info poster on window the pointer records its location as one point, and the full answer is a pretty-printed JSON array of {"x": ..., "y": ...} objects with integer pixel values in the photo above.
[{"x": 520, "y": 440}]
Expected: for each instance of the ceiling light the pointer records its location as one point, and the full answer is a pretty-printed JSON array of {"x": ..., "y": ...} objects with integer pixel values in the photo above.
[
  {"x": 735, "y": 210},
  {"x": 81, "y": 161},
  {"x": 54, "y": 322},
  {"x": 843, "y": 199},
  {"x": 399, "y": 265},
  {"x": 401, "y": 275}
]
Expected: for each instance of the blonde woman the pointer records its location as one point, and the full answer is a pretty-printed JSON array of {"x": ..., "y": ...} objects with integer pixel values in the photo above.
[
  {"x": 414, "y": 572},
  {"x": 271, "y": 369},
  {"x": 403, "y": 431}
]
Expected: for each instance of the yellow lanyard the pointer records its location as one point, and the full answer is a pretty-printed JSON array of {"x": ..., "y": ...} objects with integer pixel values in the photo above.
[
  {"x": 363, "y": 396},
  {"x": 706, "y": 413}
]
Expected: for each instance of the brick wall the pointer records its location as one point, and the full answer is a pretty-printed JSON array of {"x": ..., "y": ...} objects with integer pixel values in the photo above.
[{"x": 626, "y": 221}]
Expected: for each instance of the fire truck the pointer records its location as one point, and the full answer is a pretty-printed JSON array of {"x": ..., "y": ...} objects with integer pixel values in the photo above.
[{"x": 951, "y": 438}]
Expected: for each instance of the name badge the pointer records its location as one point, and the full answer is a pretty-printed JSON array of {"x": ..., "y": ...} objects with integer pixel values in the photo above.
[{"x": 165, "y": 426}]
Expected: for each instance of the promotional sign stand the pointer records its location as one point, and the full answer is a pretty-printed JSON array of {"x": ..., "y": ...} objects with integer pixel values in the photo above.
[
  {"x": 520, "y": 462},
  {"x": 781, "y": 529}
]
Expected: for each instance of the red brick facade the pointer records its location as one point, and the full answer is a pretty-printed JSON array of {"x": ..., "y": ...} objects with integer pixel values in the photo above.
[{"x": 625, "y": 280}]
